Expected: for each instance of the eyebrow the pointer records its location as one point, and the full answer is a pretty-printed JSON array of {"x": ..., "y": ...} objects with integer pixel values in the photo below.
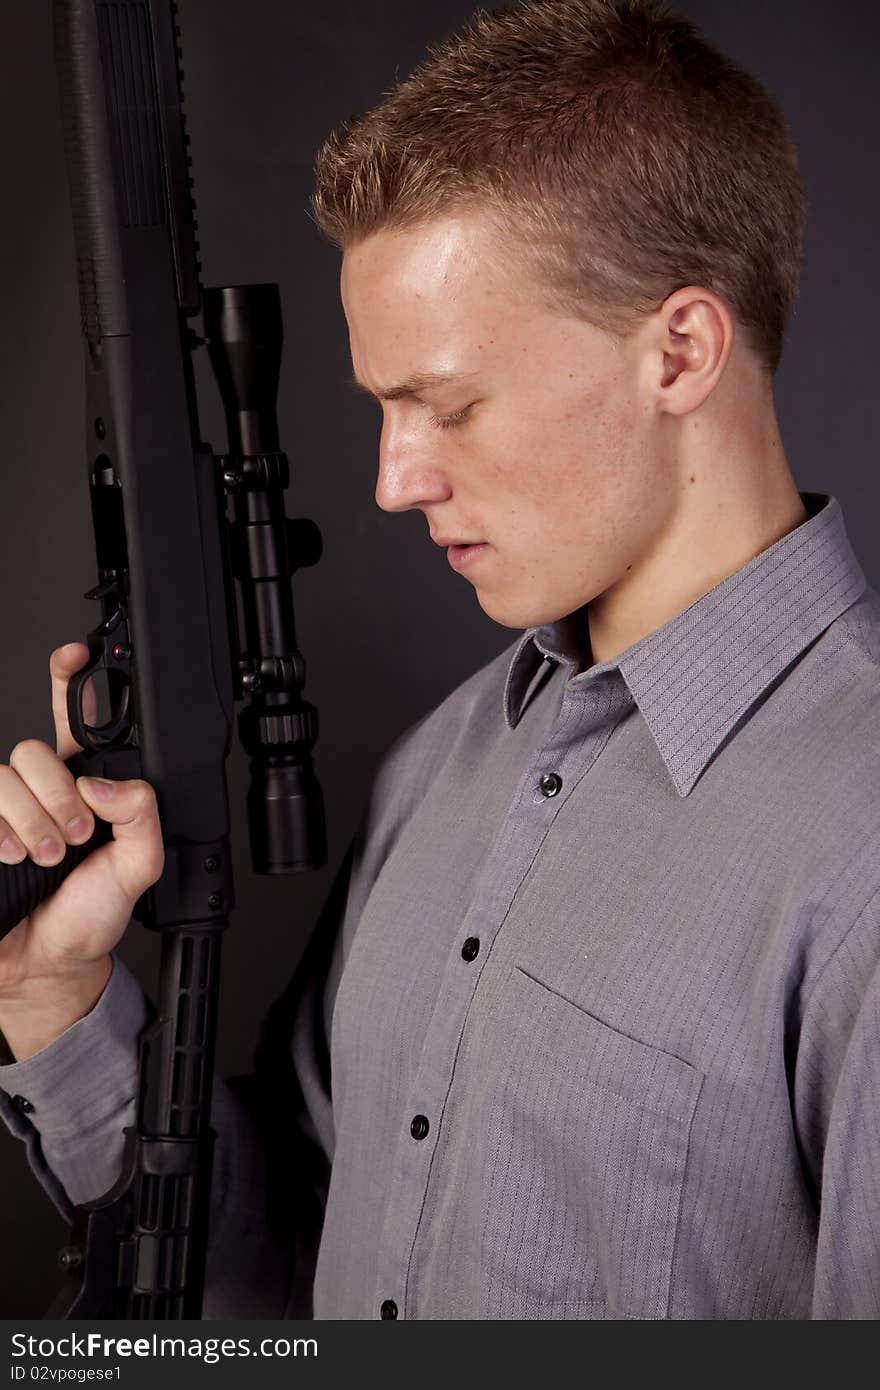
[{"x": 412, "y": 385}]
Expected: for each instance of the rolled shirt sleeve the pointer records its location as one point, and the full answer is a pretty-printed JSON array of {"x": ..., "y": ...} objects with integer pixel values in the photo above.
[{"x": 69, "y": 1102}]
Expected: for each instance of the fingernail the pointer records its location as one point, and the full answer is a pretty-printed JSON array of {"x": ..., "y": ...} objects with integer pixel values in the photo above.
[
  {"x": 10, "y": 847},
  {"x": 48, "y": 848},
  {"x": 100, "y": 787},
  {"x": 78, "y": 826}
]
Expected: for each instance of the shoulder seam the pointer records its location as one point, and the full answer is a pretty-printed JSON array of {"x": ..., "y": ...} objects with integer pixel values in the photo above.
[{"x": 832, "y": 955}]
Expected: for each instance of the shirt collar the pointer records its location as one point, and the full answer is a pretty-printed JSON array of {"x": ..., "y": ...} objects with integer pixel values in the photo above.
[{"x": 696, "y": 676}]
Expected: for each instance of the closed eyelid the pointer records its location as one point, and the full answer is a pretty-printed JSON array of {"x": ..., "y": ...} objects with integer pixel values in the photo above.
[
  {"x": 437, "y": 419},
  {"x": 454, "y": 418}
]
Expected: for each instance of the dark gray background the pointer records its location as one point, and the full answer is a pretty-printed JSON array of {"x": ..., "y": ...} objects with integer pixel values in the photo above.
[{"x": 387, "y": 629}]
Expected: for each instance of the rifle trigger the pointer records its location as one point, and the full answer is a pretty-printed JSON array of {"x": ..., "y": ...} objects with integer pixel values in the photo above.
[{"x": 117, "y": 727}]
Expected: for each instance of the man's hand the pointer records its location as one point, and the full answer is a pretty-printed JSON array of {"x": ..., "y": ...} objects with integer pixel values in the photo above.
[{"x": 55, "y": 963}]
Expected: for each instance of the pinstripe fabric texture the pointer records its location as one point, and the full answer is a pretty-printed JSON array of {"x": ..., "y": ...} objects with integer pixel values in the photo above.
[{"x": 590, "y": 1027}]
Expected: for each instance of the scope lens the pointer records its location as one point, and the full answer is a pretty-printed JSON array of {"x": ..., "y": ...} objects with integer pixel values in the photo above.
[{"x": 286, "y": 813}]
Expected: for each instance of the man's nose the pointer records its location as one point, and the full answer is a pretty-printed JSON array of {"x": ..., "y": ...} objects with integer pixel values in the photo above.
[{"x": 409, "y": 473}]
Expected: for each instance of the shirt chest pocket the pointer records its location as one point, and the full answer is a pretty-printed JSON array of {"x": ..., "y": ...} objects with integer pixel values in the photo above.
[{"x": 579, "y": 1144}]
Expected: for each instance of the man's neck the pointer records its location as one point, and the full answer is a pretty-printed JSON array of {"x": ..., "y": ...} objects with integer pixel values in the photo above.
[{"x": 735, "y": 502}]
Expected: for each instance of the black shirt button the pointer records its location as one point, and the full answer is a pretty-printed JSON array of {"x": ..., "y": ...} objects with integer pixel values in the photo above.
[
  {"x": 470, "y": 948},
  {"x": 23, "y": 1104},
  {"x": 419, "y": 1126},
  {"x": 551, "y": 783},
  {"x": 388, "y": 1309}
]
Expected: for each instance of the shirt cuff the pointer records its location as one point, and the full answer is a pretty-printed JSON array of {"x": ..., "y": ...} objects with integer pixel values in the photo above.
[{"x": 75, "y": 1083}]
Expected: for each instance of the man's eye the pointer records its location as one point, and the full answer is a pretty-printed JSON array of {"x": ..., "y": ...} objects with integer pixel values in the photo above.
[{"x": 448, "y": 422}]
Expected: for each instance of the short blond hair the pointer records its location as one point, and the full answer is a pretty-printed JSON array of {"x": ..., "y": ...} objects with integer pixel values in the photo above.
[{"x": 621, "y": 153}]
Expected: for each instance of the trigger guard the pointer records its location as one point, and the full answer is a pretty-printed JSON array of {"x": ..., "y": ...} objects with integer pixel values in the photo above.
[{"x": 88, "y": 735}]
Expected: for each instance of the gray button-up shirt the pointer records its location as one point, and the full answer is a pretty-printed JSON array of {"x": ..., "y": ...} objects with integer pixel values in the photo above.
[{"x": 590, "y": 1026}]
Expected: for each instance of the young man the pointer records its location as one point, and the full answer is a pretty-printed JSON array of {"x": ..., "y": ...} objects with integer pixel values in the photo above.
[{"x": 588, "y": 1028}]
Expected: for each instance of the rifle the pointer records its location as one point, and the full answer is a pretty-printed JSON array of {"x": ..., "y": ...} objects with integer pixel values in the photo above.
[{"x": 166, "y": 654}]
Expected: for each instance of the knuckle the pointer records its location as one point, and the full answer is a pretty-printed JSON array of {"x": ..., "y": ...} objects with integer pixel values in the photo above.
[
  {"x": 32, "y": 829},
  {"x": 61, "y": 805},
  {"x": 7, "y": 778},
  {"x": 25, "y": 750},
  {"x": 144, "y": 795},
  {"x": 147, "y": 868},
  {"x": 10, "y": 789},
  {"x": 54, "y": 808}
]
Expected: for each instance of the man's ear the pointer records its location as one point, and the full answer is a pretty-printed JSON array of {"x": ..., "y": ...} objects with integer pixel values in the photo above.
[{"x": 692, "y": 338}]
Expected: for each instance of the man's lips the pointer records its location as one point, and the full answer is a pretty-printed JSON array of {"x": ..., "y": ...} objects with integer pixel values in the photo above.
[
  {"x": 452, "y": 540},
  {"x": 461, "y": 554}
]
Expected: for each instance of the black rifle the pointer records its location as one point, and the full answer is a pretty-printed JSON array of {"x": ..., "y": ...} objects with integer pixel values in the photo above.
[{"x": 166, "y": 655}]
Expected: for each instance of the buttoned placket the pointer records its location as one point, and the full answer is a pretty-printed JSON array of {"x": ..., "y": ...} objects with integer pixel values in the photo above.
[{"x": 589, "y": 712}]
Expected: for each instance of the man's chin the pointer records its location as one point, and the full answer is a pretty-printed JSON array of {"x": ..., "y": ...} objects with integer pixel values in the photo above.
[{"x": 509, "y": 613}]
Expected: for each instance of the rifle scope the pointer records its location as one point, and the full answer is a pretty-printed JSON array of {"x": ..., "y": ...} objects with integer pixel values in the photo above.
[{"x": 277, "y": 728}]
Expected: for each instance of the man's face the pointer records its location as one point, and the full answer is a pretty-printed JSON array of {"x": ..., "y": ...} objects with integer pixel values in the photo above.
[{"x": 555, "y": 463}]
